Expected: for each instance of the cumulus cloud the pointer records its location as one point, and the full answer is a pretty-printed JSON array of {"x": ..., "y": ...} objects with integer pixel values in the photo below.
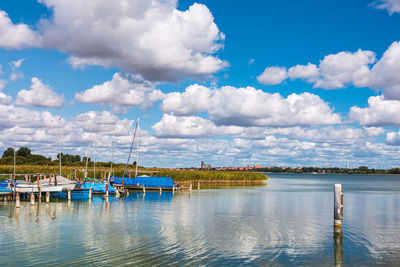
[
  {"x": 347, "y": 68},
  {"x": 385, "y": 74},
  {"x": 5, "y": 99},
  {"x": 380, "y": 112},
  {"x": 303, "y": 71},
  {"x": 122, "y": 91},
  {"x": 250, "y": 107},
  {"x": 191, "y": 127},
  {"x": 40, "y": 95},
  {"x": 393, "y": 138},
  {"x": 103, "y": 122},
  {"x": 15, "y": 36},
  {"x": 391, "y": 6},
  {"x": 273, "y": 75},
  {"x": 16, "y": 73},
  {"x": 152, "y": 38}
]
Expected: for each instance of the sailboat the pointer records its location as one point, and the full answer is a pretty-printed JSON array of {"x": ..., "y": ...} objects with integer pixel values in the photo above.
[{"x": 149, "y": 182}]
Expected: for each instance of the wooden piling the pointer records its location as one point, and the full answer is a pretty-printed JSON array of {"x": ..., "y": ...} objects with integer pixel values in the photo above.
[
  {"x": 160, "y": 189},
  {"x": 17, "y": 201},
  {"x": 190, "y": 187},
  {"x": 173, "y": 188},
  {"x": 198, "y": 186},
  {"x": 69, "y": 194},
  {"x": 47, "y": 197},
  {"x": 338, "y": 207},
  {"x": 32, "y": 199},
  {"x": 106, "y": 189},
  {"x": 90, "y": 193},
  {"x": 144, "y": 189}
]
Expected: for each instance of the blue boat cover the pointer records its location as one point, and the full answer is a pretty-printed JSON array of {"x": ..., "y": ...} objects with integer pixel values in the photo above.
[
  {"x": 5, "y": 190},
  {"x": 98, "y": 187},
  {"x": 146, "y": 181},
  {"x": 75, "y": 195}
]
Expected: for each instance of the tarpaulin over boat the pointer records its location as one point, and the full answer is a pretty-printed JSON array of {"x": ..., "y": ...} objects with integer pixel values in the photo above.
[
  {"x": 146, "y": 181},
  {"x": 98, "y": 187},
  {"x": 4, "y": 191}
]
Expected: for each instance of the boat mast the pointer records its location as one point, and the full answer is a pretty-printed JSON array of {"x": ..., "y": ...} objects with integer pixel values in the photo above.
[
  {"x": 94, "y": 163},
  {"x": 137, "y": 150},
  {"x": 130, "y": 152},
  {"x": 112, "y": 155},
  {"x": 59, "y": 144},
  {"x": 14, "y": 155},
  {"x": 87, "y": 159}
]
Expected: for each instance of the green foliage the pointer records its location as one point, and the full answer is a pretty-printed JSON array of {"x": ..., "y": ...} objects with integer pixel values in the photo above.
[
  {"x": 9, "y": 152},
  {"x": 363, "y": 168},
  {"x": 24, "y": 152}
]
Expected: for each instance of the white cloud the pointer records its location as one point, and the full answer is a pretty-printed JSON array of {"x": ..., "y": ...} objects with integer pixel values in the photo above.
[
  {"x": 380, "y": 112},
  {"x": 152, "y": 38},
  {"x": 16, "y": 74},
  {"x": 250, "y": 107},
  {"x": 338, "y": 70},
  {"x": 393, "y": 138},
  {"x": 347, "y": 68},
  {"x": 391, "y": 6},
  {"x": 104, "y": 123},
  {"x": 40, "y": 95},
  {"x": 122, "y": 91},
  {"x": 5, "y": 99},
  {"x": 272, "y": 75},
  {"x": 303, "y": 71},
  {"x": 15, "y": 36},
  {"x": 385, "y": 74},
  {"x": 191, "y": 127}
]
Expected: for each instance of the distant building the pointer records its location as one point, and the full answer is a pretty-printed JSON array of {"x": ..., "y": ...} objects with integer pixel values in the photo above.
[{"x": 205, "y": 166}]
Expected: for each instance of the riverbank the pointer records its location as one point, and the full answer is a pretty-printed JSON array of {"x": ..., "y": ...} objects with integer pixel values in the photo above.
[{"x": 183, "y": 177}]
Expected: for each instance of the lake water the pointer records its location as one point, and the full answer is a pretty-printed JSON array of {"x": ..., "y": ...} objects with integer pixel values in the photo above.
[{"x": 287, "y": 222}]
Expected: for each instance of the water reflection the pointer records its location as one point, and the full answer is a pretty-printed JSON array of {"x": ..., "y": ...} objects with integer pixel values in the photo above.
[{"x": 287, "y": 222}]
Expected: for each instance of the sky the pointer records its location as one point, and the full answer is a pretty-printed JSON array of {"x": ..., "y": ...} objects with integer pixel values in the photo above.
[{"x": 231, "y": 83}]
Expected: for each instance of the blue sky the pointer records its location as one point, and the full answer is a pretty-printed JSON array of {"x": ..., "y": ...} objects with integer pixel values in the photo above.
[{"x": 283, "y": 83}]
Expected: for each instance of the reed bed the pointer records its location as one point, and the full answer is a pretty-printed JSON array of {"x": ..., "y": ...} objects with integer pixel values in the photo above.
[{"x": 178, "y": 176}]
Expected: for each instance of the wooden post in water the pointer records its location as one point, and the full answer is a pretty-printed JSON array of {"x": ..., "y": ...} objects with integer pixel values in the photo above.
[
  {"x": 32, "y": 199},
  {"x": 106, "y": 189},
  {"x": 90, "y": 193},
  {"x": 144, "y": 189},
  {"x": 47, "y": 197},
  {"x": 190, "y": 187},
  {"x": 198, "y": 186},
  {"x": 17, "y": 201},
  {"x": 338, "y": 208},
  {"x": 160, "y": 190},
  {"x": 69, "y": 194}
]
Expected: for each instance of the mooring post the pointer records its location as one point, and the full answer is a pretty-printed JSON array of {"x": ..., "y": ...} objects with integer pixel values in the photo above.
[
  {"x": 106, "y": 190},
  {"x": 17, "y": 201},
  {"x": 69, "y": 194},
  {"x": 32, "y": 199},
  {"x": 90, "y": 193},
  {"x": 190, "y": 187},
  {"x": 338, "y": 208},
  {"x": 47, "y": 197},
  {"x": 160, "y": 189},
  {"x": 173, "y": 188},
  {"x": 198, "y": 186},
  {"x": 144, "y": 189}
]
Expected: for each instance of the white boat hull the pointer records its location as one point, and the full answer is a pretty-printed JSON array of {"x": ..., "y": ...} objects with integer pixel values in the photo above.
[{"x": 34, "y": 189}]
